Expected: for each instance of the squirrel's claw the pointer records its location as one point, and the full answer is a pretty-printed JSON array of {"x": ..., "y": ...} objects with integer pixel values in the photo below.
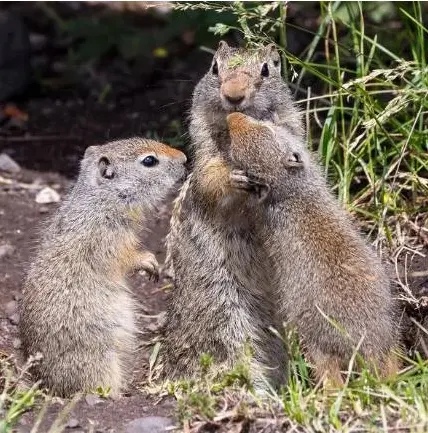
[
  {"x": 240, "y": 179},
  {"x": 150, "y": 265}
]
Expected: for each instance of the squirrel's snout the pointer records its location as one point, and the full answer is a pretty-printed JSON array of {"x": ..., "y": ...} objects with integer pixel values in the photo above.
[
  {"x": 182, "y": 158},
  {"x": 234, "y": 90},
  {"x": 234, "y": 100}
]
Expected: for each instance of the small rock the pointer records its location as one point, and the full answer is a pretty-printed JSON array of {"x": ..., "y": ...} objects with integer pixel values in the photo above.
[
  {"x": 44, "y": 209},
  {"x": 16, "y": 343},
  {"x": 38, "y": 41},
  {"x": 73, "y": 423},
  {"x": 17, "y": 124},
  {"x": 92, "y": 399},
  {"x": 47, "y": 195},
  {"x": 14, "y": 319},
  {"x": 11, "y": 308},
  {"x": 152, "y": 327},
  {"x": 22, "y": 429},
  {"x": 8, "y": 164},
  {"x": 149, "y": 424},
  {"x": 6, "y": 250}
]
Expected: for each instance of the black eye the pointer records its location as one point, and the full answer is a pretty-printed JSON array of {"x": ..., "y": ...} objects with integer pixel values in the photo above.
[
  {"x": 276, "y": 63},
  {"x": 265, "y": 70},
  {"x": 215, "y": 68},
  {"x": 294, "y": 160},
  {"x": 149, "y": 161},
  {"x": 296, "y": 157}
]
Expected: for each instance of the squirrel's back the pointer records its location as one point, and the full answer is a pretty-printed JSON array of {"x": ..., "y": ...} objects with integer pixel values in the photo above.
[{"x": 325, "y": 271}]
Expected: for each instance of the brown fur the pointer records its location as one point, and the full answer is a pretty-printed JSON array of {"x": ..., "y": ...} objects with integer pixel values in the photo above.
[
  {"x": 219, "y": 302},
  {"x": 323, "y": 268},
  {"x": 77, "y": 310}
]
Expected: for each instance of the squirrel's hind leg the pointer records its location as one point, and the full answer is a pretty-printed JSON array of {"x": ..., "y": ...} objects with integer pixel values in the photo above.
[{"x": 327, "y": 370}]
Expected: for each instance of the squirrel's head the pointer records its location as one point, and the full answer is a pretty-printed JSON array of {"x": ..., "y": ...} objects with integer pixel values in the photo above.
[
  {"x": 265, "y": 149},
  {"x": 244, "y": 80},
  {"x": 134, "y": 172}
]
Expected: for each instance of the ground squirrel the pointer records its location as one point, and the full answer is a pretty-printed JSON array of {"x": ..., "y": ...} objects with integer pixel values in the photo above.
[
  {"x": 323, "y": 267},
  {"x": 218, "y": 302},
  {"x": 77, "y": 310}
]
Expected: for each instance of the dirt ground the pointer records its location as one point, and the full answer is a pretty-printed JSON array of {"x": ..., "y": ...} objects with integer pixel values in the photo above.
[
  {"x": 20, "y": 216},
  {"x": 47, "y": 163},
  {"x": 60, "y": 126}
]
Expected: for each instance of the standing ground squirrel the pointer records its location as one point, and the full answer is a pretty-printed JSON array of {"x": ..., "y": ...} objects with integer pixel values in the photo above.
[
  {"x": 218, "y": 302},
  {"x": 77, "y": 310},
  {"x": 323, "y": 267}
]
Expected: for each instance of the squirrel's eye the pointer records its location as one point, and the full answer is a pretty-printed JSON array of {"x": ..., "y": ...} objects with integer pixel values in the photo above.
[
  {"x": 265, "y": 70},
  {"x": 215, "y": 68},
  {"x": 295, "y": 157},
  {"x": 149, "y": 161}
]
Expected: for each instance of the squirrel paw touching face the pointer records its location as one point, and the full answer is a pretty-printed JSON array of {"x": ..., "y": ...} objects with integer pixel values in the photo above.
[
  {"x": 149, "y": 264},
  {"x": 240, "y": 179}
]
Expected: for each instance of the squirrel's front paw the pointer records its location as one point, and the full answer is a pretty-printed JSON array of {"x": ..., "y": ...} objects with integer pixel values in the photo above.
[
  {"x": 149, "y": 264},
  {"x": 240, "y": 179}
]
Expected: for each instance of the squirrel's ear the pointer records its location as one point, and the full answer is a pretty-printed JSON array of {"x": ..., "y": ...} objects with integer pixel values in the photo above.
[
  {"x": 105, "y": 168},
  {"x": 273, "y": 54},
  {"x": 90, "y": 151},
  {"x": 222, "y": 45}
]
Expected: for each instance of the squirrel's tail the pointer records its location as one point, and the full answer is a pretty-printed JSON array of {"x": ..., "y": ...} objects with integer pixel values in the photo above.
[{"x": 174, "y": 226}]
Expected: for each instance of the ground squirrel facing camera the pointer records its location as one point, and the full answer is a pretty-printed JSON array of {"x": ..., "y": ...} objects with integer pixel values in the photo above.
[
  {"x": 218, "y": 302},
  {"x": 77, "y": 310},
  {"x": 323, "y": 267},
  {"x": 244, "y": 80}
]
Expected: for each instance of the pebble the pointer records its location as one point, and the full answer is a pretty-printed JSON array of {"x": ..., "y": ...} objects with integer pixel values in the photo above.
[
  {"x": 6, "y": 250},
  {"x": 149, "y": 424},
  {"x": 14, "y": 319},
  {"x": 8, "y": 164},
  {"x": 44, "y": 209},
  {"x": 16, "y": 124},
  {"x": 47, "y": 195},
  {"x": 38, "y": 41},
  {"x": 92, "y": 399},
  {"x": 16, "y": 343},
  {"x": 73, "y": 423},
  {"x": 22, "y": 429},
  {"x": 152, "y": 327},
  {"x": 11, "y": 308}
]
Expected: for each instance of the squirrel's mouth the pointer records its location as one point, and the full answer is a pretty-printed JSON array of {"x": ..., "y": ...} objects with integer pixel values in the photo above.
[{"x": 232, "y": 107}]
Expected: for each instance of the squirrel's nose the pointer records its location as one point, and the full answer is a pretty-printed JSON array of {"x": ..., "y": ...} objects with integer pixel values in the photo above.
[{"x": 235, "y": 100}]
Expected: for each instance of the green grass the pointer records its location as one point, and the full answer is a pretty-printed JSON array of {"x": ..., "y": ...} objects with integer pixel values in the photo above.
[
  {"x": 367, "y": 119},
  {"x": 19, "y": 395},
  {"x": 365, "y": 403},
  {"x": 14, "y": 398},
  {"x": 366, "y": 115}
]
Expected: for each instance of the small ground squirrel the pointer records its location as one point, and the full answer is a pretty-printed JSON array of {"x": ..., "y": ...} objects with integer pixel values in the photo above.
[
  {"x": 216, "y": 305},
  {"x": 323, "y": 267},
  {"x": 77, "y": 310}
]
